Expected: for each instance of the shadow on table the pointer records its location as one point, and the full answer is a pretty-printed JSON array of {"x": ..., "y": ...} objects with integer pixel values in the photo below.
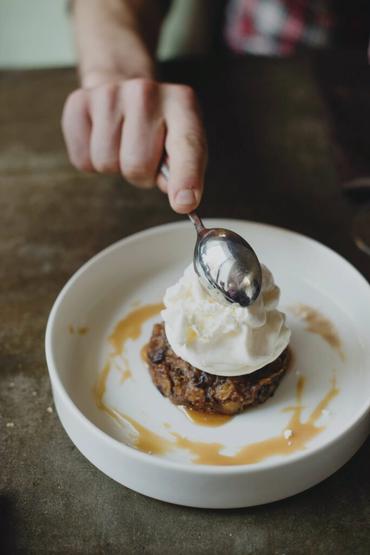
[{"x": 7, "y": 529}]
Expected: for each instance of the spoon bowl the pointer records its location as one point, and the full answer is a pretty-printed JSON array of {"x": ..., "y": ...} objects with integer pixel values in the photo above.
[{"x": 226, "y": 264}]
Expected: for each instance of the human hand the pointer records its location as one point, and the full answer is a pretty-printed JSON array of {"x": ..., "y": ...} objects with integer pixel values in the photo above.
[{"x": 128, "y": 126}]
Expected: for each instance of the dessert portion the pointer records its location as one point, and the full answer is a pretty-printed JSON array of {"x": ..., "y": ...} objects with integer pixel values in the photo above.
[
  {"x": 193, "y": 388},
  {"x": 215, "y": 356}
]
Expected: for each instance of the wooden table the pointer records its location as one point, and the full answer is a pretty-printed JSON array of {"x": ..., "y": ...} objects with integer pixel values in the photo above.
[{"x": 283, "y": 134}]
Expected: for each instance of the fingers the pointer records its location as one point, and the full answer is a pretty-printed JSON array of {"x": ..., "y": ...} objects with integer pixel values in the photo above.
[
  {"x": 106, "y": 116},
  {"x": 128, "y": 126},
  {"x": 143, "y": 132},
  {"x": 76, "y": 126},
  {"x": 186, "y": 149}
]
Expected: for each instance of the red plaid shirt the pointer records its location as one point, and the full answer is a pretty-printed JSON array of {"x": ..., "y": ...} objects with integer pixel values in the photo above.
[{"x": 279, "y": 27}]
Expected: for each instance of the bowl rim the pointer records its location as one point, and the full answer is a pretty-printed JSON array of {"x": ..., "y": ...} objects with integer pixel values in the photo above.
[{"x": 143, "y": 457}]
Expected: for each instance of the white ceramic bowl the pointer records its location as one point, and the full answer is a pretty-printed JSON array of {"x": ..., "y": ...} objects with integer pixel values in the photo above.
[{"x": 137, "y": 270}]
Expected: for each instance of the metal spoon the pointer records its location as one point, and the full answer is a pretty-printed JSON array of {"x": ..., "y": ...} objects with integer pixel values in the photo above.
[{"x": 225, "y": 263}]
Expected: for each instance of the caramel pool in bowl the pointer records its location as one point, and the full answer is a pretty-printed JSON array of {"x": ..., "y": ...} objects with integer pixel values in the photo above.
[{"x": 295, "y": 437}]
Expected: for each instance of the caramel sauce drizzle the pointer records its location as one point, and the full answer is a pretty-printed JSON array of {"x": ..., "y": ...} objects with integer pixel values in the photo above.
[
  {"x": 99, "y": 392},
  {"x": 196, "y": 417},
  {"x": 202, "y": 452},
  {"x": 126, "y": 375},
  {"x": 211, "y": 453},
  {"x": 302, "y": 433},
  {"x": 146, "y": 440},
  {"x": 205, "y": 418},
  {"x": 130, "y": 327},
  {"x": 144, "y": 353},
  {"x": 320, "y": 325}
]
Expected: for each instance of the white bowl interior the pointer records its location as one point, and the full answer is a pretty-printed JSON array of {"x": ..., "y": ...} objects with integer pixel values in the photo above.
[{"x": 138, "y": 270}]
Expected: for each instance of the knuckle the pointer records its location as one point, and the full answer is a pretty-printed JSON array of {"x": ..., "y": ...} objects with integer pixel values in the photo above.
[
  {"x": 105, "y": 165},
  {"x": 194, "y": 142},
  {"x": 142, "y": 87},
  {"x": 139, "y": 174},
  {"x": 107, "y": 95},
  {"x": 110, "y": 89},
  {"x": 186, "y": 95},
  {"x": 75, "y": 102},
  {"x": 144, "y": 92},
  {"x": 81, "y": 163},
  {"x": 147, "y": 87},
  {"x": 76, "y": 99}
]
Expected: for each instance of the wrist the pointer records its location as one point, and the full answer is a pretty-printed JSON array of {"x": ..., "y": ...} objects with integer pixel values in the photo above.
[
  {"x": 110, "y": 44},
  {"x": 122, "y": 59},
  {"x": 96, "y": 76}
]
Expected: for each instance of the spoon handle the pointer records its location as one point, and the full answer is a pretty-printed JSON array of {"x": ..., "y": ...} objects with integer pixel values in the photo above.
[
  {"x": 198, "y": 224},
  {"x": 195, "y": 219}
]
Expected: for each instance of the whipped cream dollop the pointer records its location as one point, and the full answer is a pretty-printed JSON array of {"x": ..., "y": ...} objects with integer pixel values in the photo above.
[{"x": 224, "y": 338}]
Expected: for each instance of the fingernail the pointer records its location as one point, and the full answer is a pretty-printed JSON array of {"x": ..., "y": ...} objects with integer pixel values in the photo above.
[{"x": 185, "y": 197}]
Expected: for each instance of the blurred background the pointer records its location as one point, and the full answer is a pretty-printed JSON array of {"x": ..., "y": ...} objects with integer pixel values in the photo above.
[{"x": 38, "y": 33}]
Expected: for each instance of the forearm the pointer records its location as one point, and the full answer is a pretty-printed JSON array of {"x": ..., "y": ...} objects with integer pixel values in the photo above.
[{"x": 116, "y": 39}]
